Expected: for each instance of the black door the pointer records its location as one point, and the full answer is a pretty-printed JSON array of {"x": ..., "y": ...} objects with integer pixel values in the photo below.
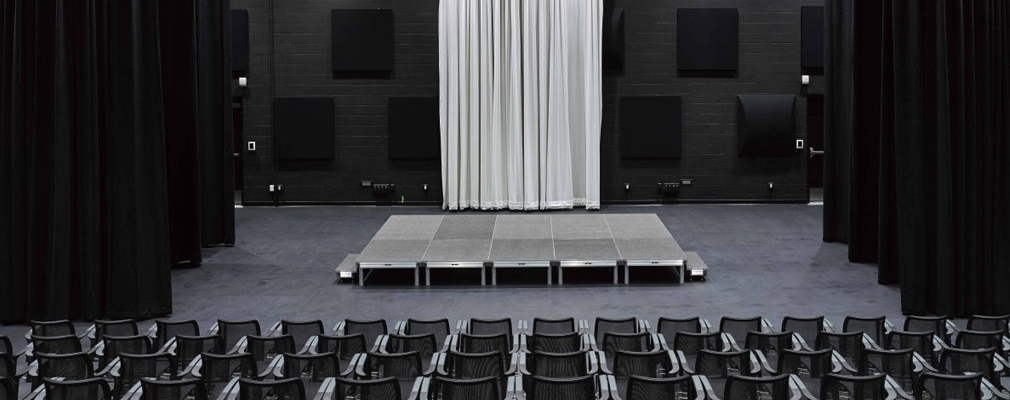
[{"x": 815, "y": 141}]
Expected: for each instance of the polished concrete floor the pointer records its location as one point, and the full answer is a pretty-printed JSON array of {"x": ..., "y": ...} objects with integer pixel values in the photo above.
[{"x": 764, "y": 260}]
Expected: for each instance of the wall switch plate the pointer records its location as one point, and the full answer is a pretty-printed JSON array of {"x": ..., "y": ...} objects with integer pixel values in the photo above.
[
  {"x": 771, "y": 185},
  {"x": 627, "y": 186},
  {"x": 687, "y": 182},
  {"x": 251, "y": 146},
  {"x": 272, "y": 188},
  {"x": 805, "y": 79},
  {"x": 243, "y": 81},
  {"x": 424, "y": 187},
  {"x": 365, "y": 184},
  {"x": 800, "y": 145}
]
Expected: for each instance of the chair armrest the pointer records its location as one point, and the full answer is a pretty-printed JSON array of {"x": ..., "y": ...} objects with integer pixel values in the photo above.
[
  {"x": 592, "y": 342},
  {"x": 938, "y": 344},
  {"x": 656, "y": 344},
  {"x": 604, "y": 368},
  {"x": 888, "y": 326},
  {"x": 608, "y": 388},
  {"x": 515, "y": 387},
  {"x": 952, "y": 328},
  {"x": 310, "y": 345},
  {"x": 675, "y": 370},
  {"x": 351, "y": 366},
  {"x": 33, "y": 370},
  {"x": 38, "y": 394},
  {"x": 828, "y": 326},
  {"x": 420, "y": 389},
  {"x": 699, "y": 388},
  {"x": 729, "y": 343},
  {"x": 97, "y": 351},
  {"x": 763, "y": 362},
  {"x": 584, "y": 326},
  {"x": 240, "y": 346},
  {"x": 359, "y": 368},
  {"x": 702, "y": 380},
  {"x": 594, "y": 363},
  {"x": 919, "y": 363},
  {"x": 463, "y": 326},
  {"x": 799, "y": 390},
  {"x": 706, "y": 325},
  {"x": 213, "y": 329},
  {"x": 111, "y": 369},
  {"x": 432, "y": 366},
  {"x": 994, "y": 391},
  {"x": 894, "y": 389},
  {"x": 755, "y": 366},
  {"x": 516, "y": 338},
  {"x": 89, "y": 333},
  {"x": 152, "y": 332},
  {"x": 840, "y": 365},
  {"x": 231, "y": 390},
  {"x": 800, "y": 343},
  {"x": 659, "y": 338},
  {"x": 326, "y": 389},
  {"x": 684, "y": 367},
  {"x": 168, "y": 347},
  {"x": 136, "y": 392},
  {"x": 454, "y": 343},
  {"x": 1002, "y": 362},
  {"x": 766, "y": 326},
  {"x": 514, "y": 363},
  {"x": 446, "y": 344},
  {"x": 587, "y": 342},
  {"x": 524, "y": 344},
  {"x": 338, "y": 329},
  {"x": 275, "y": 368},
  {"x": 275, "y": 329},
  {"x": 193, "y": 369},
  {"x": 400, "y": 327},
  {"x": 643, "y": 326},
  {"x": 869, "y": 343},
  {"x": 380, "y": 344},
  {"x": 522, "y": 327}
]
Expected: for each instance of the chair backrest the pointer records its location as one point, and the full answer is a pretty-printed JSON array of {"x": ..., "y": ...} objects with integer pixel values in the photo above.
[
  {"x": 438, "y": 327},
  {"x": 921, "y": 342},
  {"x": 345, "y": 347},
  {"x": 311, "y": 367},
  {"x": 8, "y": 390},
  {"x": 897, "y": 364},
  {"x": 963, "y": 361},
  {"x": 371, "y": 329},
  {"x": 134, "y": 367},
  {"x": 484, "y": 343},
  {"x": 265, "y": 348},
  {"x": 74, "y": 366},
  {"x": 614, "y": 342},
  {"x": 5, "y": 345},
  {"x": 848, "y": 344},
  {"x": 648, "y": 388},
  {"x": 281, "y": 389},
  {"x": 754, "y": 388},
  {"x": 812, "y": 364},
  {"x": 542, "y": 388},
  {"x": 52, "y": 328},
  {"x": 769, "y": 343},
  {"x": 373, "y": 389},
  {"x": 116, "y": 345},
  {"x": 558, "y": 365},
  {"x": 218, "y": 368},
  {"x": 693, "y": 343},
  {"x": 91, "y": 389},
  {"x": 472, "y": 366},
  {"x": 937, "y": 325},
  {"x": 442, "y": 388},
  {"x": 554, "y": 343},
  {"x": 605, "y": 325},
  {"x": 874, "y": 327},
  {"x": 302, "y": 331},
  {"x": 948, "y": 387},
  {"x": 554, "y": 326},
  {"x": 232, "y": 331},
  {"x": 184, "y": 389},
  {"x": 404, "y": 366},
  {"x": 989, "y": 323},
  {"x": 478, "y": 326},
  {"x": 970, "y": 339},
  {"x": 632, "y": 363},
  {"x": 65, "y": 344},
  {"x": 424, "y": 344},
  {"x": 670, "y": 327},
  {"x": 8, "y": 368},
  {"x": 867, "y": 387},
  {"x": 168, "y": 330},
  {"x": 807, "y": 328},
  {"x": 715, "y": 364},
  {"x": 124, "y": 327},
  {"x": 188, "y": 347},
  {"x": 738, "y": 327}
]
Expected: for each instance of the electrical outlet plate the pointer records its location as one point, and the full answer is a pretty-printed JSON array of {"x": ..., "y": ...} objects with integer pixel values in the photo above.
[
  {"x": 251, "y": 145},
  {"x": 800, "y": 145},
  {"x": 805, "y": 79}
]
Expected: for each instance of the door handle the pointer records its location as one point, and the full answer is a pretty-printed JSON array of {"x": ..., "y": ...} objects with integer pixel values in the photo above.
[{"x": 816, "y": 152}]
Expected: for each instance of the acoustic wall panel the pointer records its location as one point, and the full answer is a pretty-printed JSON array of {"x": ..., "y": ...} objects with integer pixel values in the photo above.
[
  {"x": 613, "y": 37},
  {"x": 413, "y": 128},
  {"x": 812, "y": 37},
  {"x": 303, "y": 128},
  {"x": 362, "y": 40},
  {"x": 240, "y": 42},
  {"x": 650, "y": 127},
  {"x": 707, "y": 39},
  {"x": 766, "y": 125}
]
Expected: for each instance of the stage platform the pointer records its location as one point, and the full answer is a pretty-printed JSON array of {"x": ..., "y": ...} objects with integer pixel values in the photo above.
[{"x": 496, "y": 243}]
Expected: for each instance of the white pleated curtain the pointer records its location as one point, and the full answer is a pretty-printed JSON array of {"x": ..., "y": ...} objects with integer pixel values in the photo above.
[{"x": 520, "y": 100}]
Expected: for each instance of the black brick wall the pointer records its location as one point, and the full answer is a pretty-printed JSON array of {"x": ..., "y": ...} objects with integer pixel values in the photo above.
[{"x": 769, "y": 64}]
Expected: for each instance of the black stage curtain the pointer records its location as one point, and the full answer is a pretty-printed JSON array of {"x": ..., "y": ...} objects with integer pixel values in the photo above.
[
  {"x": 929, "y": 170},
  {"x": 90, "y": 159}
]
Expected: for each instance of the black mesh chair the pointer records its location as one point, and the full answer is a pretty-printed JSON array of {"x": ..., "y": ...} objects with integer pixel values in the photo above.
[
  {"x": 971, "y": 339},
  {"x": 809, "y": 366},
  {"x": 370, "y": 329},
  {"x": 116, "y": 345},
  {"x": 717, "y": 366},
  {"x": 647, "y": 388},
  {"x": 472, "y": 366},
  {"x": 135, "y": 367},
  {"x": 921, "y": 342},
  {"x": 90, "y": 389},
  {"x": 806, "y": 328},
  {"x": 125, "y": 327},
  {"x": 936, "y": 325},
  {"x": 464, "y": 389},
  {"x": 187, "y": 348},
  {"x": 989, "y": 323},
  {"x": 754, "y": 388},
  {"x": 312, "y": 369},
  {"x": 962, "y": 361},
  {"x": 846, "y": 387},
  {"x": 233, "y": 331},
  {"x": 484, "y": 343},
  {"x": 934, "y": 386},
  {"x": 424, "y": 344},
  {"x": 554, "y": 343},
  {"x": 52, "y": 328},
  {"x": 739, "y": 327},
  {"x": 439, "y": 327},
  {"x": 542, "y": 388},
  {"x": 689, "y": 345},
  {"x": 166, "y": 330},
  {"x": 478, "y": 326},
  {"x": 9, "y": 390},
  {"x": 405, "y": 367},
  {"x": 626, "y": 364},
  {"x": 281, "y": 389},
  {"x": 670, "y": 327},
  {"x": 74, "y": 366},
  {"x": 875, "y": 328},
  {"x": 897, "y": 364},
  {"x": 848, "y": 344},
  {"x": 560, "y": 365},
  {"x": 554, "y": 326},
  {"x": 604, "y": 326},
  {"x": 637, "y": 342},
  {"x": 265, "y": 349},
  {"x": 64, "y": 344},
  {"x": 302, "y": 331},
  {"x": 346, "y": 348},
  {"x": 8, "y": 368},
  {"x": 185, "y": 389},
  {"x": 769, "y": 346},
  {"x": 373, "y": 389},
  {"x": 217, "y": 370}
]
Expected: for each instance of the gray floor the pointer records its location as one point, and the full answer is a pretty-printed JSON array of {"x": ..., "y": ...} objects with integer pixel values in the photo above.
[{"x": 764, "y": 260}]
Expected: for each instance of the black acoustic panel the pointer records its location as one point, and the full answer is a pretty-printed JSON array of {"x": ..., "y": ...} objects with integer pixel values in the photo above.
[
  {"x": 362, "y": 40},
  {"x": 812, "y": 37},
  {"x": 414, "y": 128},
  {"x": 613, "y": 37},
  {"x": 766, "y": 125},
  {"x": 650, "y": 127},
  {"x": 707, "y": 39},
  {"x": 303, "y": 128},
  {"x": 240, "y": 42}
]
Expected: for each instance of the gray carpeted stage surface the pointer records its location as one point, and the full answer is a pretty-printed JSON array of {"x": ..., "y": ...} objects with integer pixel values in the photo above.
[{"x": 764, "y": 259}]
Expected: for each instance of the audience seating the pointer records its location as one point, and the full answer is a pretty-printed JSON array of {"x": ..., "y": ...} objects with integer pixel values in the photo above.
[{"x": 490, "y": 359}]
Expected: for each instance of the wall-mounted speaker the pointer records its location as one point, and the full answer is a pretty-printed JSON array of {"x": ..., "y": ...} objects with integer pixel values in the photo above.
[
  {"x": 239, "y": 43},
  {"x": 303, "y": 128},
  {"x": 362, "y": 40},
  {"x": 650, "y": 126},
  {"x": 766, "y": 125},
  {"x": 613, "y": 37},
  {"x": 708, "y": 39},
  {"x": 812, "y": 37},
  {"x": 414, "y": 128}
]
